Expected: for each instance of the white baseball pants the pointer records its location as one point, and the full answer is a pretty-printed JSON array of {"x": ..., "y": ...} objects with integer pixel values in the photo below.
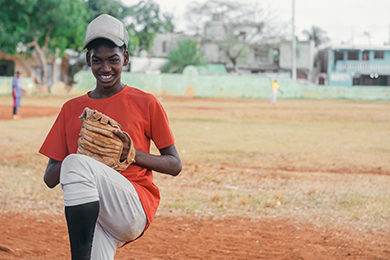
[
  {"x": 274, "y": 93},
  {"x": 121, "y": 217}
]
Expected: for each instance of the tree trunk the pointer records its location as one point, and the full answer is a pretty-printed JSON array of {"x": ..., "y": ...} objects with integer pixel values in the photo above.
[
  {"x": 234, "y": 62},
  {"x": 232, "y": 59},
  {"x": 41, "y": 56}
]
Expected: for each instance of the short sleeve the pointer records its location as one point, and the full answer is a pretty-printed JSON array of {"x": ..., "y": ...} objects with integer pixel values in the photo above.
[
  {"x": 55, "y": 145},
  {"x": 161, "y": 132}
]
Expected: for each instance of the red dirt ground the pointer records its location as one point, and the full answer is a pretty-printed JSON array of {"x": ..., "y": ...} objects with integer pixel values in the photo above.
[
  {"x": 28, "y": 111},
  {"x": 184, "y": 237},
  {"x": 28, "y": 236}
]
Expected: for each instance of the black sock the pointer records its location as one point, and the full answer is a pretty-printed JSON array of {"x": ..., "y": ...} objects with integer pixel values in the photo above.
[{"x": 81, "y": 221}]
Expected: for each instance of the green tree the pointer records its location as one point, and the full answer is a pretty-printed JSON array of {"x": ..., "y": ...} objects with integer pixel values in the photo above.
[
  {"x": 146, "y": 21},
  {"x": 46, "y": 26},
  {"x": 318, "y": 35},
  {"x": 111, "y": 7},
  {"x": 186, "y": 53},
  {"x": 143, "y": 20}
]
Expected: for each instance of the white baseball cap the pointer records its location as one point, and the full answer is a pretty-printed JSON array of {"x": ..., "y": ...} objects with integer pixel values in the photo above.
[{"x": 107, "y": 27}]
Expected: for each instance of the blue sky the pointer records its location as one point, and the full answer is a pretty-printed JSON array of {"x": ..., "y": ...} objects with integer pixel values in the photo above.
[{"x": 343, "y": 20}]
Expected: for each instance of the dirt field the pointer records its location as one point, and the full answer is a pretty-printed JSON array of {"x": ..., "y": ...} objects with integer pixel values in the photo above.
[
  {"x": 184, "y": 237},
  {"x": 285, "y": 197},
  {"x": 28, "y": 111}
]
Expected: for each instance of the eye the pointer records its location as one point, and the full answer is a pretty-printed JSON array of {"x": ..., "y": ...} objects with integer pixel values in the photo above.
[
  {"x": 95, "y": 61},
  {"x": 114, "y": 60}
]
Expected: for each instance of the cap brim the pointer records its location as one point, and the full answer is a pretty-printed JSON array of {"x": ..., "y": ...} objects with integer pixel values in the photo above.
[{"x": 118, "y": 42}]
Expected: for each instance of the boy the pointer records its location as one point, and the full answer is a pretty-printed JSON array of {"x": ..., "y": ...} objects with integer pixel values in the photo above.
[{"x": 105, "y": 209}]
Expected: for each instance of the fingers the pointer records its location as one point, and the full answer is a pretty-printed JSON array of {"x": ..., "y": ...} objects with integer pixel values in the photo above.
[
  {"x": 126, "y": 144},
  {"x": 122, "y": 136}
]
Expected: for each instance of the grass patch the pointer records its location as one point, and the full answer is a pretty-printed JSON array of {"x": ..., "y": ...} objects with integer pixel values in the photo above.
[{"x": 321, "y": 161}]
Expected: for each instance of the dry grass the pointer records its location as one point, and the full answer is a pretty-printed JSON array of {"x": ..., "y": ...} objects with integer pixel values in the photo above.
[
  {"x": 42, "y": 101},
  {"x": 325, "y": 162}
]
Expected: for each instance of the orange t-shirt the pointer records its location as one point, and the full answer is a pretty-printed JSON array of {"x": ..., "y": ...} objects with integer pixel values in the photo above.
[{"x": 140, "y": 114}]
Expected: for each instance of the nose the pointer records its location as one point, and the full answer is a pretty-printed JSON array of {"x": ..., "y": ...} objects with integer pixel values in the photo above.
[{"x": 105, "y": 66}]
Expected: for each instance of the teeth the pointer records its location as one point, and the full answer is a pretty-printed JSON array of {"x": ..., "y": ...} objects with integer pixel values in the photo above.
[{"x": 106, "y": 77}]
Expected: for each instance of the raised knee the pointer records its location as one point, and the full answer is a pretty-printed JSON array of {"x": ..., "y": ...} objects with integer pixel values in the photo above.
[
  {"x": 71, "y": 158},
  {"x": 73, "y": 168}
]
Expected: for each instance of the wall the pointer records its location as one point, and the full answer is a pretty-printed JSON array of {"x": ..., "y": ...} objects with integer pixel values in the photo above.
[
  {"x": 231, "y": 86},
  {"x": 227, "y": 86},
  {"x": 170, "y": 39},
  {"x": 146, "y": 64},
  {"x": 306, "y": 52}
]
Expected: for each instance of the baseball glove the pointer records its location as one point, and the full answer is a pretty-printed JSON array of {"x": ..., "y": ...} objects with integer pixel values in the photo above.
[{"x": 99, "y": 141}]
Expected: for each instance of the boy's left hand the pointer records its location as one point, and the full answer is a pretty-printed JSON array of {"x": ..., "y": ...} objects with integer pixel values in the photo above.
[{"x": 126, "y": 144}]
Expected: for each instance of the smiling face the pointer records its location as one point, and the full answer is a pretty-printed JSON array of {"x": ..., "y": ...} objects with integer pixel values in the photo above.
[{"x": 106, "y": 61}]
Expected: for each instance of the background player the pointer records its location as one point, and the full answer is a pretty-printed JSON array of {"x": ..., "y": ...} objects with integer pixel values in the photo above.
[
  {"x": 274, "y": 91},
  {"x": 17, "y": 94}
]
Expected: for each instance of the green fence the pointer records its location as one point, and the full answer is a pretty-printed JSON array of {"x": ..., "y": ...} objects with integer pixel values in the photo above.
[
  {"x": 216, "y": 86},
  {"x": 232, "y": 86}
]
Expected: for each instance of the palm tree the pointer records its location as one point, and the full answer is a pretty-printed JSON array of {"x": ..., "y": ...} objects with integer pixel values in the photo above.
[{"x": 317, "y": 34}]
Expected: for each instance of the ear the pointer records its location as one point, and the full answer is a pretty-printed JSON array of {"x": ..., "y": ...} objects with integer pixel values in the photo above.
[
  {"x": 88, "y": 59},
  {"x": 126, "y": 58}
]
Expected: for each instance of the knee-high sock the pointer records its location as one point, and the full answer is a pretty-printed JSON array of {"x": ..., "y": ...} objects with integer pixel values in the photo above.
[{"x": 81, "y": 220}]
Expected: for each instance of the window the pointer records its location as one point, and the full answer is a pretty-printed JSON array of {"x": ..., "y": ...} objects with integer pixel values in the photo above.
[
  {"x": 353, "y": 55},
  {"x": 7, "y": 68},
  {"x": 261, "y": 55},
  {"x": 356, "y": 81},
  {"x": 379, "y": 54},
  {"x": 366, "y": 55},
  {"x": 338, "y": 56},
  {"x": 3, "y": 70},
  {"x": 164, "y": 46}
]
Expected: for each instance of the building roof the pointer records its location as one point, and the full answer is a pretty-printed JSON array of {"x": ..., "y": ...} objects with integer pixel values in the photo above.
[{"x": 360, "y": 47}]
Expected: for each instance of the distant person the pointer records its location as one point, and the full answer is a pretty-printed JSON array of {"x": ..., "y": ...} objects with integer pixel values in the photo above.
[
  {"x": 17, "y": 94},
  {"x": 274, "y": 91},
  {"x": 365, "y": 56}
]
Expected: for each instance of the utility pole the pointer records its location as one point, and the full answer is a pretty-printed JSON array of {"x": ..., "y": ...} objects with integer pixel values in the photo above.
[{"x": 293, "y": 48}]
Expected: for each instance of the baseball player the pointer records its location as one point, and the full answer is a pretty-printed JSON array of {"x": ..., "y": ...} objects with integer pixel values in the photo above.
[
  {"x": 108, "y": 206},
  {"x": 274, "y": 91},
  {"x": 17, "y": 93}
]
